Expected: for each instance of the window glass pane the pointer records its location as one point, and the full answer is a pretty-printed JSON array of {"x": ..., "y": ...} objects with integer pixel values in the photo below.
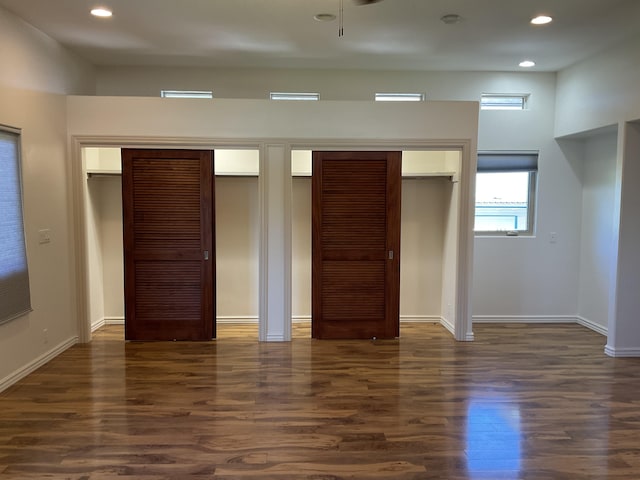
[
  {"x": 399, "y": 97},
  {"x": 14, "y": 277},
  {"x": 186, "y": 94},
  {"x": 502, "y": 201},
  {"x": 294, "y": 96},
  {"x": 503, "y": 102}
]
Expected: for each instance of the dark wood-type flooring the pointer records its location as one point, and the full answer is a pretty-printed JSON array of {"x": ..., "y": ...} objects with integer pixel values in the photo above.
[{"x": 536, "y": 402}]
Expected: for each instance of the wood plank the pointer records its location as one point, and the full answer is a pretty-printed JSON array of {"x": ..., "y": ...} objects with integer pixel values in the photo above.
[{"x": 535, "y": 402}]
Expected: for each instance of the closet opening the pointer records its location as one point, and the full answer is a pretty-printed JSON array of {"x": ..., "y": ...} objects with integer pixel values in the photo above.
[
  {"x": 429, "y": 233},
  {"x": 237, "y": 227}
]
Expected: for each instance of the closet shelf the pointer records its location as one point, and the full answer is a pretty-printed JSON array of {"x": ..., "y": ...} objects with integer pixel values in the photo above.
[
  {"x": 103, "y": 173},
  {"x": 453, "y": 176}
]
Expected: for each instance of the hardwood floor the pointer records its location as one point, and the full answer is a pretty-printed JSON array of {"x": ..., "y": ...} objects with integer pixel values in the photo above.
[{"x": 535, "y": 402}]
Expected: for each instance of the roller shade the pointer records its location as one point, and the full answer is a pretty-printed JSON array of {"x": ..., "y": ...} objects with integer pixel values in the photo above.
[
  {"x": 15, "y": 298},
  {"x": 507, "y": 162}
]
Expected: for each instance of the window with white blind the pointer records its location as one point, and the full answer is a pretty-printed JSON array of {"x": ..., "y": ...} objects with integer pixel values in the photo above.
[
  {"x": 15, "y": 299},
  {"x": 505, "y": 193}
]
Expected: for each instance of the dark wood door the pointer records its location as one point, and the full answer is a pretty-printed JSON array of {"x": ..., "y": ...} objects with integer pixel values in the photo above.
[
  {"x": 356, "y": 244},
  {"x": 168, "y": 244}
]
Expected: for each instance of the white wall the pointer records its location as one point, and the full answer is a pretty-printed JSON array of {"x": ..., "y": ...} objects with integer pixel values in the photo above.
[
  {"x": 32, "y": 98},
  {"x": 624, "y": 333},
  {"x": 602, "y": 91},
  {"x": 301, "y": 248},
  {"x": 599, "y": 91},
  {"x": 237, "y": 248},
  {"x": 330, "y": 84},
  {"x": 530, "y": 279},
  {"x": 93, "y": 198},
  {"x": 110, "y": 192},
  {"x": 424, "y": 206},
  {"x": 598, "y": 208}
]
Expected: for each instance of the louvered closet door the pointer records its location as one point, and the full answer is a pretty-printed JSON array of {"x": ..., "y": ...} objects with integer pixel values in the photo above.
[
  {"x": 168, "y": 244},
  {"x": 356, "y": 244}
]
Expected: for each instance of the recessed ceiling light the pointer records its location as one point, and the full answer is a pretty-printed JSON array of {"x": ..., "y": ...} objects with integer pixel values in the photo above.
[
  {"x": 325, "y": 17},
  {"x": 451, "y": 18},
  {"x": 101, "y": 12},
  {"x": 541, "y": 20},
  {"x": 527, "y": 64}
]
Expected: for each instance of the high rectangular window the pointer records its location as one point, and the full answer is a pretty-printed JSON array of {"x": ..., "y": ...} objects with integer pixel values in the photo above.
[
  {"x": 505, "y": 193},
  {"x": 15, "y": 299},
  {"x": 294, "y": 96},
  {"x": 399, "y": 97},
  {"x": 492, "y": 101},
  {"x": 186, "y": 94}
]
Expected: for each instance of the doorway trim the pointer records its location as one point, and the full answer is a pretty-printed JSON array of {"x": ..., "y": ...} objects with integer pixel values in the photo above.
[
  {"x": 462, "y": 325},
  {"x": 275, "y": 175}
]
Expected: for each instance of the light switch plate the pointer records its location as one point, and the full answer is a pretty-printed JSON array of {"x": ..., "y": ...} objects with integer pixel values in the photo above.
[{"x": 44, "y": 236}]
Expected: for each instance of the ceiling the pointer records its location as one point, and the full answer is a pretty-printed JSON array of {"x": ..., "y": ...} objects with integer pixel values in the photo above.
[{"x": 494, "y": 35}]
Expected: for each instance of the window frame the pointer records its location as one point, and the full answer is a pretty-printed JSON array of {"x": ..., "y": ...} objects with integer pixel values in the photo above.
[
  {"x": 523, "y": 97},
  {"x": 203, "y": 94},
  {"x": 294, "y": 96},
  {"x": 399, "y": 97},
  {"x": 513, "y": 162}
]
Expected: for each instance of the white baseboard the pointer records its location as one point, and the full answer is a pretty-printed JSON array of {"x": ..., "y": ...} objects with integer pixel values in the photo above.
[
  {"x": 276, "y": 338},
  {"x": 524, "y": 319},
  {"x": 591, "y": 325},
  {"x": 622, "y": 352},
  {"x": 541, "y": 319},
  {"x": 254, "y": 319},
  {"x": 236, "y": 319},
  {"x": 106, "y": 321},
  {"x": 420, "y": 318},
  {"x": 97, "y": 325},
  {"x": 448, "y": 325},
  {"x": 36, "y": 364}
]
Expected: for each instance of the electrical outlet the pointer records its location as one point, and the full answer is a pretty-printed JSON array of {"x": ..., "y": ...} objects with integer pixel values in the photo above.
[
  {"x": 553, "y": 237},
  {"x": 45, "y": 336}
]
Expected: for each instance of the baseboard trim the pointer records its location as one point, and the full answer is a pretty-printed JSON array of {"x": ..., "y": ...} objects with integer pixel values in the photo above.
[
  {"x": 276, "y": 338},
  {"x": 622, "y": 352},
  {"x": 524, "y": 319},
  {"x": 420, "y": 318},
  {"x": 254, "y": 319},
  {"x": 448, "y": 325},
  {"x": 98, "y": 325},
  {"x": 31, "y": 367},
  {"x": 106, "y": 321},
  {"x": 236, "y": 319},
  {"x": 591, "y": 325}
]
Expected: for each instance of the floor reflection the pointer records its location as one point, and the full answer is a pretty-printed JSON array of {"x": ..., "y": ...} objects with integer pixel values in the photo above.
[{"x": 493, "y": 439}]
